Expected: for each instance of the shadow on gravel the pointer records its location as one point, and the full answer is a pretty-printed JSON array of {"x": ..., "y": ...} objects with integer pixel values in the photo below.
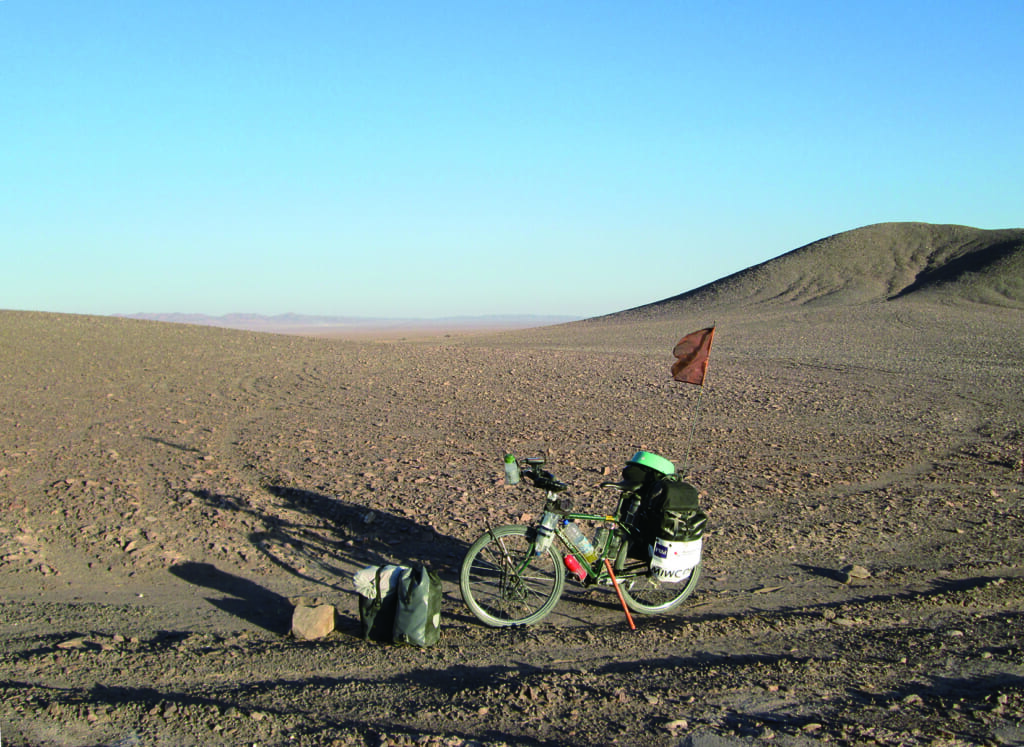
[
  {"x": 242, "y": 598},
  {"x": 979, "y": 691},
  {"x": 172, "y": 444},
  {"x": 359, "y": 535},
  {"x": 829, "y": 573},
  {"x": 695, "y": 614},
  {"x": 332, "y": 537},
  {"x": 278, "y": 703}
]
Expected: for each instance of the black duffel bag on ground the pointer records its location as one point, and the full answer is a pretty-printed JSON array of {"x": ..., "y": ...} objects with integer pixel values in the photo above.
[{"x": 377, "y": 612}]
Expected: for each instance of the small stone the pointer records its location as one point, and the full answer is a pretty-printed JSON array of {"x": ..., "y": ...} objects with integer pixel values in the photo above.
[
  {"x": 677, "y": 724},
  {"x": 852, "y": 572},
  {"x": 310, "y": 623},
  {"x": 72, "y": 643}
]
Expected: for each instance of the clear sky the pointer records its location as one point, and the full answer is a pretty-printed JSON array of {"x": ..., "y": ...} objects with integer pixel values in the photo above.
[{"x": 430, "y": 159}]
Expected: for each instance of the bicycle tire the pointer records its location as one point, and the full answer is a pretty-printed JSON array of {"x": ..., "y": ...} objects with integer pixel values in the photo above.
[
  {"x": 500, "y": 595},
  {"x": 648, "y": 596}
]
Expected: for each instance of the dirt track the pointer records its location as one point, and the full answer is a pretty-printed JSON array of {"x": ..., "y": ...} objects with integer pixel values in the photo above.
[{"x": 166, "y": 489}]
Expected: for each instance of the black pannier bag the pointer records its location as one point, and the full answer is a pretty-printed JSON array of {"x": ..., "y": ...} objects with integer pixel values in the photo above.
[
  {"x": 678, "y": 543},
  {"x": 680, "y": 516},
  {"x": 378, "y": 604},
  {"x": 669, "y": 508},
  {"x": 644, "y": 473},
  {"x": 653, "y": 492}
]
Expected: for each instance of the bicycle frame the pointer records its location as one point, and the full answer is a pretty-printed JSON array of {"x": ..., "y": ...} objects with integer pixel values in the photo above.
[{"x": 619, "y": 533}]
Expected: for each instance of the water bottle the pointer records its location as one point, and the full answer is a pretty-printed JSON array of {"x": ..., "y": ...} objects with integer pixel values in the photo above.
[
  {"x": 511, "y": 469},
  {"x": 600, "y": 536},
  {"x": 580, "y": 541},
  {"x": 545, "y": 533},
  {"x": 574, "y": 566}
]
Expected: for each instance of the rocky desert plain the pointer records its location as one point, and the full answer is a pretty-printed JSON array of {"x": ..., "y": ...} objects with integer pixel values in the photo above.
[{"x": 167, "y": 489}]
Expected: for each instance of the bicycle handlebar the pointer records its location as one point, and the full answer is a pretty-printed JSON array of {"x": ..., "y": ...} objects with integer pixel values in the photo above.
[
  {"x": 541, "y": 478},
  {"x": 530, "y": 467},
  {"x": 545, "y": 481}
]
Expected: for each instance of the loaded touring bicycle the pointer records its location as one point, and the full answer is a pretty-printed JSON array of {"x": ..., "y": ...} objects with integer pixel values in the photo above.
[{"x": 515, "y": 575}]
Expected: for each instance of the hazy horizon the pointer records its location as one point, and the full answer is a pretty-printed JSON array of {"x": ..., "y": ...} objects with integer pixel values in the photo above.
[{"x": 410, "y": 161}]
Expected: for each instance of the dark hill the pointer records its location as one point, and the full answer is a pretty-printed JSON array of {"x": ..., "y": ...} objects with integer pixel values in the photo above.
[{"x": 875, "y": 263}]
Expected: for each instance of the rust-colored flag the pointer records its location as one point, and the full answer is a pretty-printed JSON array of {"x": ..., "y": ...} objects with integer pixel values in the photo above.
[{"x": 692, "y": 356}]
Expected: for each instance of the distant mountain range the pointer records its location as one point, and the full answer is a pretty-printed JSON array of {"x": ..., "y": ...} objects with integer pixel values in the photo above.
[
  {"x": 327, "y": 324},
  {"x": 876, "y": 263}
]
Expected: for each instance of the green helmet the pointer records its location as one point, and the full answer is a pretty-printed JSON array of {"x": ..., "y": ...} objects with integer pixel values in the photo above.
[{"x": 654, "y": 462}]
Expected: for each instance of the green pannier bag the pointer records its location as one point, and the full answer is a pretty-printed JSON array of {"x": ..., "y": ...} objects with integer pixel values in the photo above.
[{"x": 418, "y": 611}]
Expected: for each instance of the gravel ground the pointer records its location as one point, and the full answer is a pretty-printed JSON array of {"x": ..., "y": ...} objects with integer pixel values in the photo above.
[{"x": 166, "y": 489}]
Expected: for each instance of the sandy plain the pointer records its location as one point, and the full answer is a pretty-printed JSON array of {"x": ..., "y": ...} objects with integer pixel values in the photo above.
[{"x": 167, "y": 488}]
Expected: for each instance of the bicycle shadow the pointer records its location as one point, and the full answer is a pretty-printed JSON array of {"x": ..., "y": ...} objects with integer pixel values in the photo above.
[{"x": 323, "y": 539}]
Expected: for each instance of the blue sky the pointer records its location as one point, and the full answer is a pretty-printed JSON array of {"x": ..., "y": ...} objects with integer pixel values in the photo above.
[{"x": 431, "y": 159}]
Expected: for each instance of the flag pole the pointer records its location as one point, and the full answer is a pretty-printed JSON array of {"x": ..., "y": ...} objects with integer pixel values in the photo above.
[
  {"x": 693, "y": 427},
  {"x": 692, "y": 352}
]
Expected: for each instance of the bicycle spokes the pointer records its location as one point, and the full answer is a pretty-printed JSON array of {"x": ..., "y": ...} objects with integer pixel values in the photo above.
[{"x": 505, "y": 583}]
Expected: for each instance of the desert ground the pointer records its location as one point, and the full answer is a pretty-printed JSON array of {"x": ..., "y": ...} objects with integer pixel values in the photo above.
[{"x": 167, "y": 488}]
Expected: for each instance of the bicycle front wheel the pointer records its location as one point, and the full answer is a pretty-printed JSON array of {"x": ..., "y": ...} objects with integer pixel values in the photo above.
[
  {"x": 504, "y": 583},
  {"x": 646, "y": 594}
]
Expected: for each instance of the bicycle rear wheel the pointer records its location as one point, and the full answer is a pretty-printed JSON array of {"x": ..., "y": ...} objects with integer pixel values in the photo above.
[
  {"x": 504, "y": 583},
  {"x": 646, "y": 594}
]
